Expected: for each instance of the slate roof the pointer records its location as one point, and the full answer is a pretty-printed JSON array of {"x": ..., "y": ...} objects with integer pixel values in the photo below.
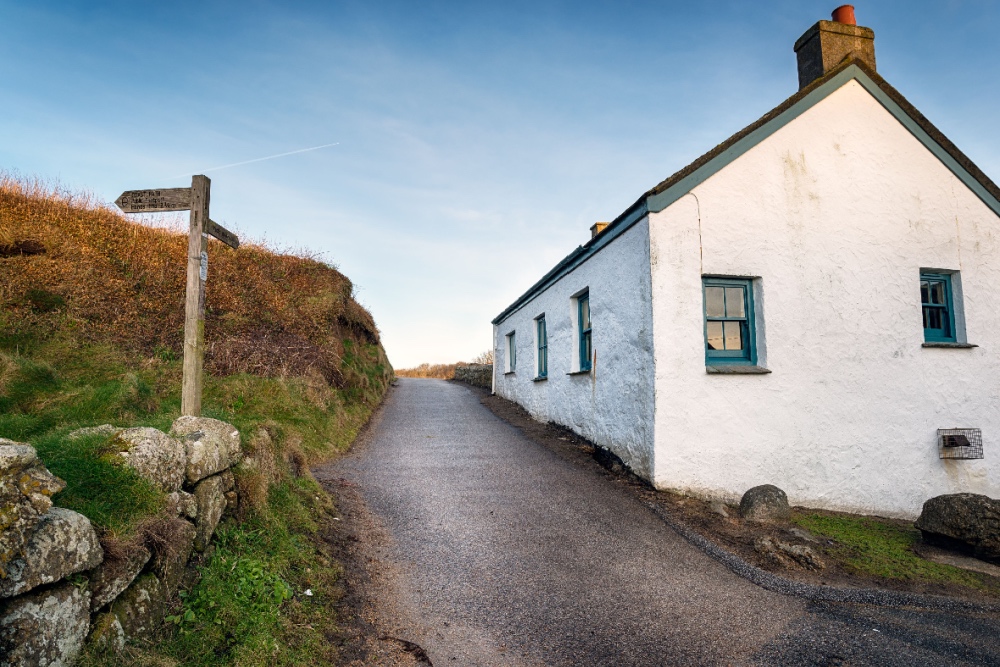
[{"x": 660, "y": 196}]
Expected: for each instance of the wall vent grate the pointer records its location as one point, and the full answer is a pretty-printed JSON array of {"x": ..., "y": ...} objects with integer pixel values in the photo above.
[{"x": 960, "y": 443}]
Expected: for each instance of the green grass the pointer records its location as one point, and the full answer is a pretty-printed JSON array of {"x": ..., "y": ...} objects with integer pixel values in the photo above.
[
  {"x": 112, "y": 496},
  {"x": 60, "y": 387},
  {"x": 253, "y": 590},
  {"x": 870, "y": 546}
]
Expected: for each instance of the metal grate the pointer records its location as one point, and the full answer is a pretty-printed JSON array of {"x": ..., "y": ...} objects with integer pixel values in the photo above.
[{"x": 960, "y": 443}]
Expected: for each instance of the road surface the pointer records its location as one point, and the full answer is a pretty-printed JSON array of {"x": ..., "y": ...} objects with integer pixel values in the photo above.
[{"x": 506, "y": 554}]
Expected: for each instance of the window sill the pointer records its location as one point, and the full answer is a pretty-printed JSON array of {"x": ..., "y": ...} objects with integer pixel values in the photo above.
[
  {"x": 540, "y": 378},
  {"x": 586, "y": 372},
  {"x": 508, "y": 372},
  {"x": 736, "y": 369},
  {"x": 943, "y": 344}
]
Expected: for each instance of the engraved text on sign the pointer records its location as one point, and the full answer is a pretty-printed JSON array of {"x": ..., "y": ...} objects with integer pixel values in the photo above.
[{"x": 154, "y": 201}]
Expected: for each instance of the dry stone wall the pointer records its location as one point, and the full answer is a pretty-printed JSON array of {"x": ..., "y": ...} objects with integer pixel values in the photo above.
[
  {"x": 480, "y": 375},
  {"x": 59, "y": 589}
]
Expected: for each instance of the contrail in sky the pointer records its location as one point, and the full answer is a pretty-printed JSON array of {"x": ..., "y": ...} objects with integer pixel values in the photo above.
[{"x": 261, "y": 159}]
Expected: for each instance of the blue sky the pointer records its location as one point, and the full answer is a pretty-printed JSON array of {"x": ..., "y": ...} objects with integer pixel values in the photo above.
[{"x": 476, "y": 142}]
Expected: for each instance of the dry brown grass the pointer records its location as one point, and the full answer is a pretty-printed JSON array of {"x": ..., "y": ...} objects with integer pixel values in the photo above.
[
  {"x": 122, "y": 282},
  {"x": 439, "y": 371}
]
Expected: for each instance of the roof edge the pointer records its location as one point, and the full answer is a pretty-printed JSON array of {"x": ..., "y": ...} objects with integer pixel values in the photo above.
[
  {"x": 684, "y": 180},
  {"x": 615, "y": 228}
]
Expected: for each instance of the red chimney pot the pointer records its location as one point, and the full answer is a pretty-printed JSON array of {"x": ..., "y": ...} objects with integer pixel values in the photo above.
[{"x": 845, "y": 14}]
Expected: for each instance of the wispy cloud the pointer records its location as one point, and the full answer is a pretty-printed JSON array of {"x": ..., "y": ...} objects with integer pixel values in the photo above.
[{"x": 259, "y": 159}]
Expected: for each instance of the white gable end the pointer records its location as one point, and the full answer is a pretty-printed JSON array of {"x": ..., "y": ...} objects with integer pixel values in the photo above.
[{"x": 833, "y": 216}]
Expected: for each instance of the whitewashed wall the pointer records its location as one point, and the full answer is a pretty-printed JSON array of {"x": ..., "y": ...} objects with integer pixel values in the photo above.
[
  {"x": 613, "y": 405},
  {"x": 836, "y": 213}
]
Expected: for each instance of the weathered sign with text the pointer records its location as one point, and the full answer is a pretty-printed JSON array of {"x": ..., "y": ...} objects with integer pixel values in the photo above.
[{"x": 155, "y": 201}]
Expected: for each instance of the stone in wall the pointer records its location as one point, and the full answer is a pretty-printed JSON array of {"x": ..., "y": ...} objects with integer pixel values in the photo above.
[
  {"x": 212, "y": 445},
  {"x": 115, "y": 574},
  {"x": 141, "y": 607},
  {"x": 63, "y": 543},
  {"x": 211, "y": 497},
  {"x": 26, "y": 490},
  {"x": 182, "y": 503},
  {"x": 106, "y": 430},
  {"x": 44, "y": 628},
  {"x": 228, "y": 480},
  {"x": 229, "y": 484},
  {"x": 106, "y": 633},
  {"x": 154, "y": 455},
  {"x": 170, "y": 559},
  {"x": 480, "y": 375}
]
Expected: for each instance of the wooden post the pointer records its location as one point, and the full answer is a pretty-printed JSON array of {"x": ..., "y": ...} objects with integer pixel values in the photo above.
[
  {"x": 194, "y": 303},
  {"x": 194, "y": 199}
]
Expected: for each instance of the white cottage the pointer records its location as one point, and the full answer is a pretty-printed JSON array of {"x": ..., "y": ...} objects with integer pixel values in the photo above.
[{"x": 811, "y": 304}]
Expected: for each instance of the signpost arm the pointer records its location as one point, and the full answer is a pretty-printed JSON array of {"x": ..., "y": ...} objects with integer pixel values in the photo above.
[{"x": 194, "y": 304}]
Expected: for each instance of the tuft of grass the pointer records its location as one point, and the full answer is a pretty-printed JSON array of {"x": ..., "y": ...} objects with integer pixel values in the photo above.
[
  {"x": 882, "y": 548},
  {"x": 112, "y": 496}
]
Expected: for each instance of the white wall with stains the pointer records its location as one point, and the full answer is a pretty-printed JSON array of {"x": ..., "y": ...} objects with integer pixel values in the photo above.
[
  {"x": 613, "y": 405},
  {"x": 834, "y": 215}
]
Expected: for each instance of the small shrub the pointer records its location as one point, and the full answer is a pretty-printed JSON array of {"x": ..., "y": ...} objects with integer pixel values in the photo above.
[{"x": 43, "y": 301}]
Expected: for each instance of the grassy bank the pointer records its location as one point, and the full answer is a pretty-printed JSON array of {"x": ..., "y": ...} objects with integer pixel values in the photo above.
[
  {"x": 90, "y": 331},
  {"x": 884, "y": 548}
]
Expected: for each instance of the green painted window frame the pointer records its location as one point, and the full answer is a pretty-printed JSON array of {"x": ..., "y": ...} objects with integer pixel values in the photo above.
[
  {"x": 584, "y": 330},
  {"x": 747, "y": 354},
  {"x": 511, "y": 352},
  {"x": 946, "y": 310},
  {"x": 543, "y": 346}
]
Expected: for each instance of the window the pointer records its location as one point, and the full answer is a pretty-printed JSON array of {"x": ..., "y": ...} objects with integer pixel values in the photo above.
[
  {"x": 938, "y": 305},
  {"x": 583, "y": 323},
  {"x": 511, "y": 353},
  {"x": 543, "y": 347},
  {"x": 729, "y": 330}
]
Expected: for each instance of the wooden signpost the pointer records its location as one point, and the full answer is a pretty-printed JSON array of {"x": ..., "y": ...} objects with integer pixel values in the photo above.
[{"x": 194, "y": 199}]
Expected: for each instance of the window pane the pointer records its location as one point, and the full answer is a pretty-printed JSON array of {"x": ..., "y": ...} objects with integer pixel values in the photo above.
[
  {"x": 715, "y": 304},
  {"x": 734, "y": 302},
  {"x": 714, "y": 334},
  {"x": 733, "y": 335},
  {"x": 585, "y": 354},
  {"x": 933, "y": 318},
  {"x": 937, "y": 293},
  {"x": 925, "y": 292},
  {"x": 585, "y": 312}
]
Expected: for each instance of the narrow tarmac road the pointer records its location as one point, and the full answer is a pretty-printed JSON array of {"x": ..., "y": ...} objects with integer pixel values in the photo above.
[{"x": 509, "y": 555}]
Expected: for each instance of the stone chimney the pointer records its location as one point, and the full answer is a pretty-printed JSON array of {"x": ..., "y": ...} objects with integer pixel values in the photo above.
[
  {"x": 829, "y": 43},
  {"x": 597, "y": 228}
]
